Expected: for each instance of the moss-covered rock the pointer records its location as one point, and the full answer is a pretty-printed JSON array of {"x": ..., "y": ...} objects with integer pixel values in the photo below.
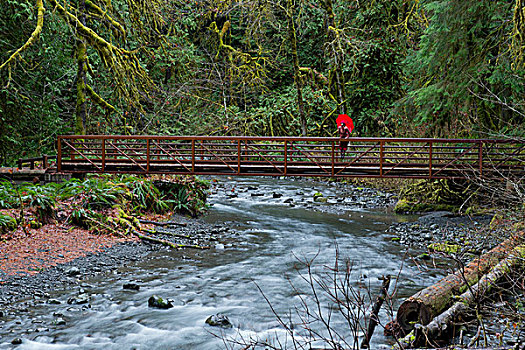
[
  {"x": 444, "y": 248},
  {"x": 402, "y": 206}
]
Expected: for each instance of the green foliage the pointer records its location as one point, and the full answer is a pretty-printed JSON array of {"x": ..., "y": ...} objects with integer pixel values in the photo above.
[
  {"x": 92, "y": 193},
  {"x": 7, "y": 224},
  {"x": 89, "y": 203},
  {"x": 185, "y": 194},
  {"x": 33, "y": 105},
  {"x": 9, "y": 197},
  {"x": 373, "y": 67},
  {"x": 42, "y": 198},
  {"x": 462, "y": 68},
  {"x": 144, "y": 195}
]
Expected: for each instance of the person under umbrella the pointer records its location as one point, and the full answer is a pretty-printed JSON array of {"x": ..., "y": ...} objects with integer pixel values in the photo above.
[
  {"x": 345, "y": 125},
  {"x": 344, "y": 134}
]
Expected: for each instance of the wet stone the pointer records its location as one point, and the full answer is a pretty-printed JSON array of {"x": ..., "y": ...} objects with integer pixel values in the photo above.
[
  {"x": 79, "y": 300},
  {"x": 219, "y": 320},
  {"x": 60, "y": 321},
  {"x": 159, "y": 303},
  {"x": 16, "y": 341},
  {"x": 73, "y": 271},
  {"x": 131, "y": 286}
]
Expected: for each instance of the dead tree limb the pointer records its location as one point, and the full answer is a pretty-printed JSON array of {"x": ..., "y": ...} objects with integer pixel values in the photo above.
[
  {"x": 374, "y": 314},
  {"x": 167, "y": 243},
  {"x": 166, "y": 223}
]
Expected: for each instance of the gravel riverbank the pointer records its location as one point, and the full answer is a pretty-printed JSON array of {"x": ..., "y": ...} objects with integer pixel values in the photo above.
[{"x": 22, "y": 290}]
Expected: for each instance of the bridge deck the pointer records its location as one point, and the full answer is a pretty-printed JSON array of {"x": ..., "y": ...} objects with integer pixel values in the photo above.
[{"x": 296, "y": 156}]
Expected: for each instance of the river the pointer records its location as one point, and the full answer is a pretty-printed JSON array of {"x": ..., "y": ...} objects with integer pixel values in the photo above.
[{"x": 275, "y": 233}]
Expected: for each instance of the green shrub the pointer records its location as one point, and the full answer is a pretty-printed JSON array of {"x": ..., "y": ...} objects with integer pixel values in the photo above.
[
  {"x": 7, "y": 224},
  {"x": 9, "y": 197},
  {"x": 42, "y": 198}
]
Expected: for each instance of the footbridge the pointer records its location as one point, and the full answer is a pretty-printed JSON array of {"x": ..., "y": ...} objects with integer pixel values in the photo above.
[{"x": 292, "y": 156}]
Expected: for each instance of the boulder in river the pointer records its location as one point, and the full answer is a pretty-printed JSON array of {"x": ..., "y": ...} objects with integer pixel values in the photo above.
[
  {"x": 159, "y": 303},
  {"x": 219, "y": 320}
]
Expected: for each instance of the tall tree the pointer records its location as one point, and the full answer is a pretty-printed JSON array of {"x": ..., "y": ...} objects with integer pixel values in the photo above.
[
  {"x": 98, "y": 26},
  {"x": 463, "y": 74}
]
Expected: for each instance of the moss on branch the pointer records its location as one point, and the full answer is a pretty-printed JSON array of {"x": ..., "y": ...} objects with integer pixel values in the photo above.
[
  {"x": 131, "y": 79},
  {"x": 98, "y": 11},
  {"x": 99, "y": 100},
  {"x": 34, "y": 36}
]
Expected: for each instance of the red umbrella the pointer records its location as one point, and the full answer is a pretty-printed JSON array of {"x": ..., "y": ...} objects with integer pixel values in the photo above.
[{"x": 344, "y": 118}]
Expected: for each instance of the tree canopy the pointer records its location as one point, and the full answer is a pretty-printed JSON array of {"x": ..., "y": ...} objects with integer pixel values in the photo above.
[{"x": 258, "y": 67}]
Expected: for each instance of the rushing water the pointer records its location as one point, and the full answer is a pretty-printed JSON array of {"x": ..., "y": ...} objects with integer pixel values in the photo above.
[{"x": 274, "y": 236}]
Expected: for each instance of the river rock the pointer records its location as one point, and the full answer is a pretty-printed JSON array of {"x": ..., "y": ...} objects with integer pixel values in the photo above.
[
  {"x": 131, "y": 285},
  {"x": 16, "y": 341},
  {"x": 277, "y": 195},
  {"x": 219, "y": 320},
  {"x": 73, "y": 271},
  {"x": 79, "y": 299},
  {"x": 320, "y": 199},
  {"x": 159, "y": 303},
  {"x": 54, "y": 301},
  {"x": 60, "y": 322}
]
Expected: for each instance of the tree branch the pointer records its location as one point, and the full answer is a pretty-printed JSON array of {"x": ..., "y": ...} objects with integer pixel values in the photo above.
[{"x": 34, "y": 36}]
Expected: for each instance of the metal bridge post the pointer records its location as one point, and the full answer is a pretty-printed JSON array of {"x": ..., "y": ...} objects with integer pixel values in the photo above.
[
  {"x": 333, "y": 158},
  {"x": 430, "y": 160},
  {"x": 285, "y": 157},
  {"x": 59, "y": 154},
  {"x": 103, "y": 154},
  {"x": 193, "y": 156},
  {"x": 480, "y": 158},
  {"x": 148, "y": 154},
  {"x": 381, "y": 151},
  {"x": 238, "y": 157}
]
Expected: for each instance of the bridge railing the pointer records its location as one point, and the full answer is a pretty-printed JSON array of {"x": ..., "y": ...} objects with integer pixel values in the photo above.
[{"x": 294, "y": 156}]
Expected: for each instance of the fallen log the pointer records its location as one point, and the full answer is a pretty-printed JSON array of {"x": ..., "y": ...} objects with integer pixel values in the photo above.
[
  {"x": 442, "y": 325},
  {"x": 423, "y": 306}
]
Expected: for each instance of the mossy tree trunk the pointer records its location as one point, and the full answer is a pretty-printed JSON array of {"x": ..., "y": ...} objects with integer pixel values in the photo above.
[
  {"x": 336, "y": 78},
  {"x": 81, "y": 51},
  {"x": 296, "y": 67}
]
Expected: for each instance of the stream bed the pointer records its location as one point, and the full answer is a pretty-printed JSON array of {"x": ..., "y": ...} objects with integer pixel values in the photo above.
[{"x": 271, "y": 226}]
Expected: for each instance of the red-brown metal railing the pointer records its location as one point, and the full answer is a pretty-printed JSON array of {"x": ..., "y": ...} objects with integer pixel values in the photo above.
[{"x": 291, "y": 156}]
